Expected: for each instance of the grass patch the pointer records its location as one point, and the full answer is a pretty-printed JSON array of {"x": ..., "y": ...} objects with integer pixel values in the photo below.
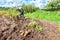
[{"x": 45, "y": 15}]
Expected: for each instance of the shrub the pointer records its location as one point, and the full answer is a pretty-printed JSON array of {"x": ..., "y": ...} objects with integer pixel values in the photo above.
[
  {"x": 53, "y": 5},
  {"x": 29, "y": 8}
]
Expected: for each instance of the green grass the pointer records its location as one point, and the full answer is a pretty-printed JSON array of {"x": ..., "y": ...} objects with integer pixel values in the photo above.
[{"x": 45, "y": 15}]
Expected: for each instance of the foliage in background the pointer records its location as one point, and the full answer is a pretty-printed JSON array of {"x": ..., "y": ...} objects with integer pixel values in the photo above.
[
  {"x": 8, "y": 11},
  {"x": 29, "y": 8},
  {"x": 53, "y": 5},
  {"x": 4, "y": 8}
]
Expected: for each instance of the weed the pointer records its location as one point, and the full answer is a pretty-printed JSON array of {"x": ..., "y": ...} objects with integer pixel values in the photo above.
[
  {"x": 35, "y": 25},
  {"x": 58, "y": 29}
]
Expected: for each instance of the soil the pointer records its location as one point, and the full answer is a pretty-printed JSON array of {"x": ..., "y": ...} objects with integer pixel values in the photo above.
[{"x": 13, "y": 28}]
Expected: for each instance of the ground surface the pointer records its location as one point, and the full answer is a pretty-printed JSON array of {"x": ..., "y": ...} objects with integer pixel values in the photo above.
[{"x": 15, "y": 29}]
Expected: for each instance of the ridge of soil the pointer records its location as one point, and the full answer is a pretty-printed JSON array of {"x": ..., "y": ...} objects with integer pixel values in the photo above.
[{"x": 12, "y": 28}]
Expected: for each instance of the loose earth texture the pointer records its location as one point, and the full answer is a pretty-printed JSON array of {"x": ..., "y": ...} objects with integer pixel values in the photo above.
[{"x": 13, "y": 28}]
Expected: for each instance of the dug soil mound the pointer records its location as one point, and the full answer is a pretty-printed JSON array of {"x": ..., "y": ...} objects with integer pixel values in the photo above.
[{"x": 12, "y": 28}]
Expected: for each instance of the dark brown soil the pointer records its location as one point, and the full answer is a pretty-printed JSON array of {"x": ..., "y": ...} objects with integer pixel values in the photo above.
[{"x": 12, "y": 28}]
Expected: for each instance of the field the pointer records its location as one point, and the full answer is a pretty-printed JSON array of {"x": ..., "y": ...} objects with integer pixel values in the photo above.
[
  {"x": 38, "y": 25},
  {"x": 53, "y": 16}
]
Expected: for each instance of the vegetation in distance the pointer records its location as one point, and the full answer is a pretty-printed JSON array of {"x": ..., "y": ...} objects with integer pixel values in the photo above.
[{"x": 33, "y": 12}]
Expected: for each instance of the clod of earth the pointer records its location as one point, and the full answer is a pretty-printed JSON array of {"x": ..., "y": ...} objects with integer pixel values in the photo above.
[{"x": 24, "y": 33}]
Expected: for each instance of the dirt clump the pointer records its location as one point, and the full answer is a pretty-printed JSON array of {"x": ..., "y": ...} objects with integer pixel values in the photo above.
[{"x": 12, "y": 28}]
